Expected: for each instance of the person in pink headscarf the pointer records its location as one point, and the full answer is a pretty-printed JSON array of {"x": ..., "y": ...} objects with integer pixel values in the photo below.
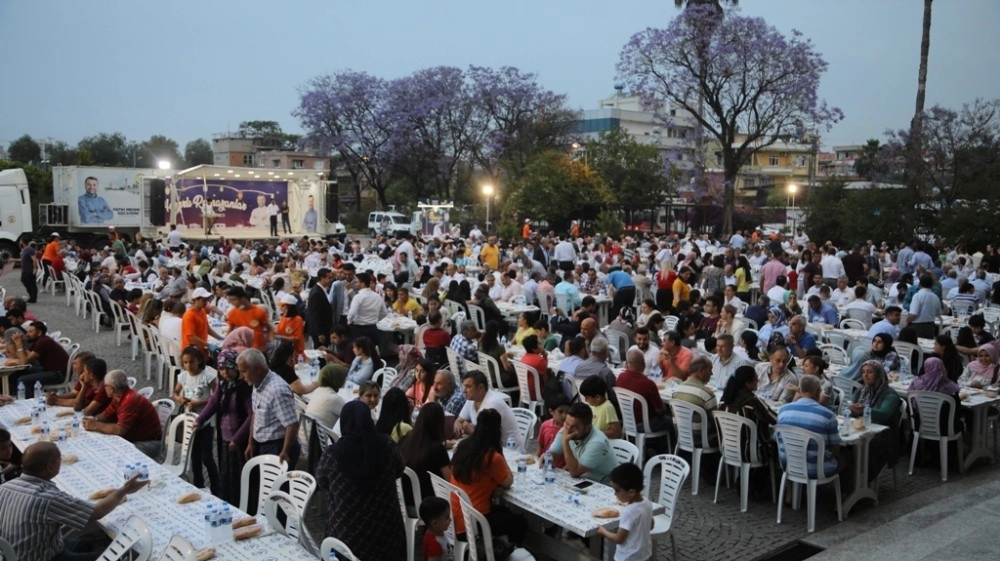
[
  {"x": 239, "y": 339},
  {"x": 982, "y": 372}
]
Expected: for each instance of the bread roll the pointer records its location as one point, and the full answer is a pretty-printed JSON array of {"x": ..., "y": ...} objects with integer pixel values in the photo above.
[
  {"x": 70, "y": 459},
  {"x": 247, "y": 533},
  {"x": 244, "y": 522},
  {"x": 188, "y": 498},
  {"x": 65, "y": 413},
  {"x": 606, "y": 512},
  {"x": 23, "y": 421},
  {"x": 206, "y": 554},
  {"x": 36, "y": 430},
  {"x": 530, "y": 460}
]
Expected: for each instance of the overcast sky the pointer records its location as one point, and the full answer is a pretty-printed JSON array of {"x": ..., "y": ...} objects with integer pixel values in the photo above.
[{"x": 187, "y": 69}]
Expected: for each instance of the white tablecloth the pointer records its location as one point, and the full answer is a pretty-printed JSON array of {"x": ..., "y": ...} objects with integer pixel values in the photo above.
[{"x": 101, "y": 465}]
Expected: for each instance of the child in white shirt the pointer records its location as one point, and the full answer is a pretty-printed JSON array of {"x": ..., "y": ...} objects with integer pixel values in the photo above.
[{"x": 635, "y": 519}]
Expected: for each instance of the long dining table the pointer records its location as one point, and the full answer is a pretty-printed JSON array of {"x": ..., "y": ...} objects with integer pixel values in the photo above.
[{"x": 101, "y": 461}]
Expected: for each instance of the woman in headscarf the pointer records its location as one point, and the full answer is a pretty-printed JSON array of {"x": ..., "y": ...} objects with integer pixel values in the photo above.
[
  {"x": 982, "y": 372},
  {"x": 359, "y": 472},
  {"x": 885, "y": 409},
  {"x": 625, "y": 323},
  {"x": 239, "y": 339},
  {"x": 738, "y": 397},
  {"x": 881, "y": 351},
  {"x": 231, "y": 400},
  {"x": 776, "y": 324},
  {"x": 791, "y": 306},
  {"x": 204, "y": 268},
  {"x": 934, "y": 379}
]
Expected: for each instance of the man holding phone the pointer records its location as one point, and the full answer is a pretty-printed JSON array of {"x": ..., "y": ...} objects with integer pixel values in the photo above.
[{"x": 587, "y": 452}]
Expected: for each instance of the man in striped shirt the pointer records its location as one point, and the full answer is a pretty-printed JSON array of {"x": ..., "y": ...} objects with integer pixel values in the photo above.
[
  {"x": 33, "y": 511},
  {"x": 807, "y": 413}
]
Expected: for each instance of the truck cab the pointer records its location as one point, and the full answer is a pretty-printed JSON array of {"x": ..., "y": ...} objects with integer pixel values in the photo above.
[{"x": 15, "y": 209}]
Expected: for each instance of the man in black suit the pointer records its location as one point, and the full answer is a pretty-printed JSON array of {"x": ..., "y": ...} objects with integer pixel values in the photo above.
[{"x": 318, "y": 309}]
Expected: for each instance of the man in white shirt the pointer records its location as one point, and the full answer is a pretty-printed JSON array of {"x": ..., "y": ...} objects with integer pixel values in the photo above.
[
  {"x": 272, "y": 214},
  {"x": 171, "y": 320},
  {"x": 776, "y": 294},
  {"x": 479, "y": 397},
  {"x": 860, "y": 302},
  {"x": 366, "y": 309},
  {"x": 475, "y": 234},
  {"x": 495, "y": 288},
  {"x": 842, "y": 295},
  {"x": 511, "y": 288},
  {"x": 833, "y": 267},
  {"x": 173, "y": 238},
  {"x": 725, "y": 361},
  {"x": 564, "y": 255},
  {"x": 650, "y": 352}
]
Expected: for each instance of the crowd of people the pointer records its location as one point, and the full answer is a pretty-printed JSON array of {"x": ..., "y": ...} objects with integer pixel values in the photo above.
[{"x": 738, "y": 313}]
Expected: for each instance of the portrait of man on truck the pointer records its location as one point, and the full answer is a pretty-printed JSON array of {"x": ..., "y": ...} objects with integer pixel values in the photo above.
[{"x": 93, "y": 208}]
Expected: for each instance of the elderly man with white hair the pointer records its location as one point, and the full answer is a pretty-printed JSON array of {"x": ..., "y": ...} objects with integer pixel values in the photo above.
[
  {"x": 275, "y": 425},
  {"x": 129, "y": 415}
]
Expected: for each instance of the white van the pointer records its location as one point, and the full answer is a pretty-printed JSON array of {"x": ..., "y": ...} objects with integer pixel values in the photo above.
[{"x": 392, "y": 222}]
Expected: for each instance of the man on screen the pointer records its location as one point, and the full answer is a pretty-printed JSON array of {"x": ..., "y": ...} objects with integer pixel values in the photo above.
[
  {"x": 93, "y": 209},
  {"x": 310, "y": 220},
  {"x": 261, "y": 216}
]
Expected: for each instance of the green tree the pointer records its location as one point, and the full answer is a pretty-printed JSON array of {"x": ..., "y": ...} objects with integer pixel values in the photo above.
[
  {"x": 198, "y": 152},
  {"x": 106, "y": 150},
  {"x": 269, "y": 134},
  {"x": 25, "y": 150},
  {"x": 868, "y": 164},
  {"x": 61, "y": 154},
  {"x": 556, "y": 189},
  {"x": 633, "y": 172},
  {"x": 158, "y": 148}
]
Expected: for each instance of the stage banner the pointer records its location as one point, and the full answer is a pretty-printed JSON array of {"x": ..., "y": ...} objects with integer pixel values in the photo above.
[{"x": 237, "y": 204}]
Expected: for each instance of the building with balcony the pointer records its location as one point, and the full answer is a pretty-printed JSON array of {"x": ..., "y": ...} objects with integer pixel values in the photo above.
[
  {"x": 671, "y": 129},
  {"x": 841, "y": 162},
  {"x": 778, "y": 165},
  {"x": 241, "y": 150}
]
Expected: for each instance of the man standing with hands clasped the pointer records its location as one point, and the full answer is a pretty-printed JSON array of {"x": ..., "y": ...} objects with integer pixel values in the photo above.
[{"x": 275, "y": 426}]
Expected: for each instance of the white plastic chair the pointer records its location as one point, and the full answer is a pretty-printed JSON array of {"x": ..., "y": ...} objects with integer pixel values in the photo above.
[
  {"x": 526, "y": 420},
  {"x": 673, "y": 471},
  {"x": 907, "y": 351},
  {"x": 173, "y": 465},
  {"x": 670, "y": 322},
  {"x": 445, "y": 489},
  {"x": 477, "y": 529},
  {"x": 384, "y": 377},
  {"x": 335, "y": 545},
  {"x": 625, "y": 451},
  {"x": 146, "y": 392},
  {"x": 859, "y": 315},
  {"x": 796, "y": 443},
  {"x": 165, "y": 409},
  {"x": 132, "y": 381},
  {"x": 121, "y": 321},
  {"x": 68, "y": 381},
  {"x": 620, "y": 342},
  {"x": 410, "y": 522},
  {"x": 301, "y": 486},
  {"x": 279, "y": 501},
  {"x": 454, "y": 364},
  {"x": 627, "y": 400},
  {"x": 134, "y": 535},
  {"x": 731, "y": 430},
  {"x": 179, "y": 549},
  {"x": 687, "y": 439},
  {"x": 491, "y": 367},
  {"x": 834, "y": 354},
  {"x": 270, "y": 467},
  {"x": 846, "y": 385},
  {"x": 54, "y": 281},
  {"x": 524, "y": 372},
  {"x": 929, "y": 407},
  {"x": 478, "y": 316}
]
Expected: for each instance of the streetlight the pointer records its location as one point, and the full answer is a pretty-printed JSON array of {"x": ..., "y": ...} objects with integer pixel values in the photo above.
[
  {"x": 792, "y": 189},
  {"x": 488, "y": 192},
  {"x": 164, "y": 164}
]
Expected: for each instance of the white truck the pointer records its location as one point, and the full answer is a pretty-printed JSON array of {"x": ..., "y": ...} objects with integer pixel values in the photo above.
[
  {"x": 15, "y": 210},
  {"x": 87, "y": 201}
]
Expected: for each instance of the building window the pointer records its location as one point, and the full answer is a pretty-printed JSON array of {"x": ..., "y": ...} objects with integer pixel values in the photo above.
[
  {"x": 275, "y": 163},
  {"x": 248, "y": 159},
  {"x": 749, "y": 182},
  {"x": 718, "y": 158},
  {"x": 800, "y": 161},
  {"x": 773, "y": 160},
  {"x": 298, "y": 164}
]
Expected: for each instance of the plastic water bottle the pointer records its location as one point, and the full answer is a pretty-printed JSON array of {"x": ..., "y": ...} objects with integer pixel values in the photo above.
[
  {"x": 503, "y": 342},
  {"x": 63, "y": 434},
  {"x": 46, "y": 430},
  {"x": 226, "y": 528},
  {"x": 75, "y": 423},
  {"x": 143, "y": 470},
  {"x": 38, "y": 390},
  {"x": 867, "y": 415},
  {"x": 548, "y": 460},
  {"x": 299, "y": 363},
  {"x": 209, "y": 518},
  {"x": 36, "y": 416},
  {"x": 20, "y": 391},
  {"x": 522, "y": 467},
  {"x": 550, "y": 475},
  {"x": 511, "y": 441},
  {"x": 129, "y": 471}
]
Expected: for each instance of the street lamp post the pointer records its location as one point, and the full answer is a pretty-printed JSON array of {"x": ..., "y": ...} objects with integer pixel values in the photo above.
[
  {"x": 792, "y": 189},
  {"x": 488, "y": 192}
]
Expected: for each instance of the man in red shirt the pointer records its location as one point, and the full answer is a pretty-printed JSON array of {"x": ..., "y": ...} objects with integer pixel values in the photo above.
[
  {"x": 130, "y": 416},
  {"x": 535, "y": 357},
  {"x": 48, "y": 359},
  {"x": 634, "y": 379}
]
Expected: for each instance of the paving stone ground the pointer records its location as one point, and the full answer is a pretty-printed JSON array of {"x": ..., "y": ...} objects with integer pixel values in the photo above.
[{"x": 704, "y": 531}]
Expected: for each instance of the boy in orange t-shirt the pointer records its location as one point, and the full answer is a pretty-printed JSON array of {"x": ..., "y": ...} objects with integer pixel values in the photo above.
[{"x": 245, "y": 314}]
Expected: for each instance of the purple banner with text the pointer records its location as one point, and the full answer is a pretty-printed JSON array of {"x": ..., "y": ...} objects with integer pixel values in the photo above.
[{"x": 235, "y": 204}]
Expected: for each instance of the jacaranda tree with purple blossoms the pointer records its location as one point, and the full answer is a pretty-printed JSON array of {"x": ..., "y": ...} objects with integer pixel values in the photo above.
[{"x": 755, "y": 84}]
